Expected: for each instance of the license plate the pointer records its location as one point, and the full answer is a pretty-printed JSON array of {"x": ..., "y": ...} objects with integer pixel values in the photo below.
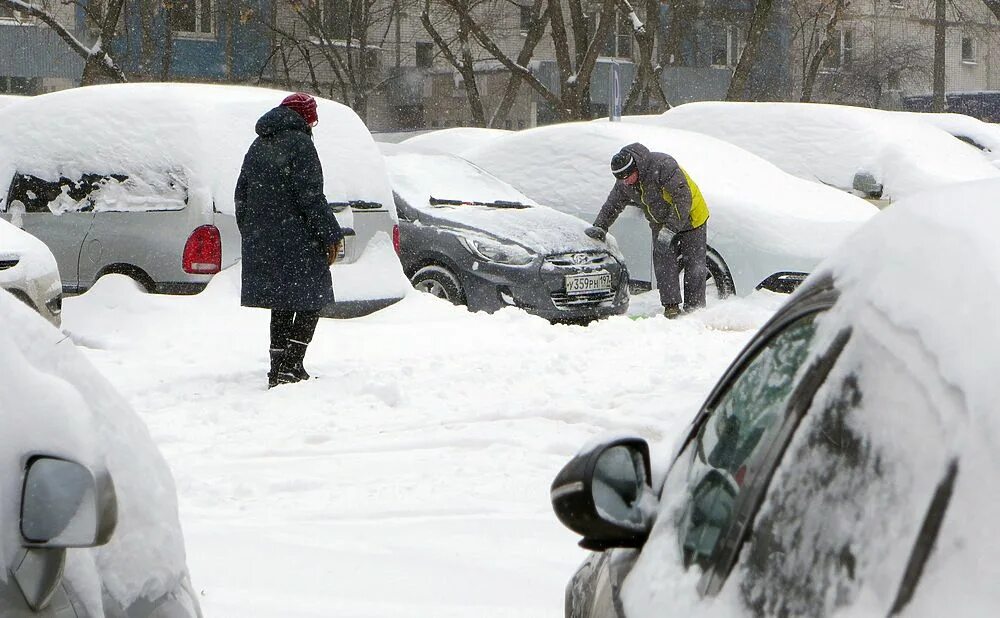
[{"x": 590, "y": 282}]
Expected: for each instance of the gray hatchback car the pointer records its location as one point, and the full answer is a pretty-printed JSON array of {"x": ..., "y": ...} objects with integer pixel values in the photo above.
[{"x": 470, "y": 238}]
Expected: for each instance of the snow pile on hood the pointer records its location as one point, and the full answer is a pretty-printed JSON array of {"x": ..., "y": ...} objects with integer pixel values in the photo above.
[
  {"x": 454, "y": 140},
  {"x": 417, "y": 177},
  {"x": 53, "y": 401},
  {"x": 162, "y": 133},
  {"x": 20, "y": 245},
  {"x": 831, "y": 143},
  {"x": 762, "y": 220}
]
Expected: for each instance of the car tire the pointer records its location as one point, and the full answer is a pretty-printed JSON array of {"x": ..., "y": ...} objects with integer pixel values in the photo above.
[
  {"x": 719, "y": 276},
  {"x": 440, "y": 282}
]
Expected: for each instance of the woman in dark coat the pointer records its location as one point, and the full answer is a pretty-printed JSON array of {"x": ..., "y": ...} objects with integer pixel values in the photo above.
[{"x": 290, "y": 235}]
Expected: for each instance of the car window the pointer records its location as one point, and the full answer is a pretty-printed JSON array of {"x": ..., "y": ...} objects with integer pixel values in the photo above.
[
  {"x": 743, "y": 420},
  {"x": 98, "y": 192},
  {"x": 846, "y": 503}
]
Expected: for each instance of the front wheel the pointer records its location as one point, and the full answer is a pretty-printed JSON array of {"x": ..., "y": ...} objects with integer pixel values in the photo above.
[{"x": 439, "y": 281}]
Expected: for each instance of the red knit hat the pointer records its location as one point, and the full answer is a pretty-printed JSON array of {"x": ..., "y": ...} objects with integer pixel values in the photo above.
[{"x": 305, "y": 105}]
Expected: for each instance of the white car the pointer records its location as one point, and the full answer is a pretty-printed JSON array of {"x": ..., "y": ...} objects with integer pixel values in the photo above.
[
  {"x": 29, "y": 272},
  {"x": 89, "y": 524},
  {"x": 873, "y": 153},
  {"x": 767, "y": 228},
  {"x": 846, "y": 464},
  {"x": 138, "y": 179}
]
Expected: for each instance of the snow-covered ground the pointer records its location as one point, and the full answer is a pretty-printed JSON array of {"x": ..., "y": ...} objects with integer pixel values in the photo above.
[{"x": 412, "y": 477}]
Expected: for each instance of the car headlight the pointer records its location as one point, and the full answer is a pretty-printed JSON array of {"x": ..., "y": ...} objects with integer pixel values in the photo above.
[{"x": 493, "y": 251}]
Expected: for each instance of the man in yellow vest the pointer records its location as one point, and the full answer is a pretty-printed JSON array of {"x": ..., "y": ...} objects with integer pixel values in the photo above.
[{"x": 677, "y": 215}]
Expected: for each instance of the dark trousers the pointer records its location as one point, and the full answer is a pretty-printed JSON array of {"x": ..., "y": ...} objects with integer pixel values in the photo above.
[
  {"x": 673, "y": 253},
  {"x": 291, "y": 332}
]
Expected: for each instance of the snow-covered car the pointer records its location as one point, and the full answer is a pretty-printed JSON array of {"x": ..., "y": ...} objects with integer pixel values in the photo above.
[
  {"x": 846, "y": 462},
  {"x": 471, "y": 238},
  {"x": 453, "y": 140},
  {"x": 873, "y": 153},
  {"x": 984, "y": 136},
  {"x": 88, "y": 509},
  {"x": 29, "y": 272},
  {"x": 138, "y": 179},
  {"x": 767, "y": 228}
]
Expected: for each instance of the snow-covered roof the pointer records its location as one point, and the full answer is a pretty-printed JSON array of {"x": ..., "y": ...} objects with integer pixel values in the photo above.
[
  {"x": 762, "y": 219},
  {"x": 53, "y": 401},
  {"x": 418, "y": 176},
  {"x": 150, "y": 130},
  {"x": 831, "y": 143},
  {"x": 454, "y": 140}
]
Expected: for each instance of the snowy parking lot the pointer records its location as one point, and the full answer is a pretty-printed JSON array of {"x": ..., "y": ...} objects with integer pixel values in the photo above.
[{"x": 411, "y": 478}]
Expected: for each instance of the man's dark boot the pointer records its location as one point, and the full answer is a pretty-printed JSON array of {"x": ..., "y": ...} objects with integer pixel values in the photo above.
[
  {"x": 296, "y": 354},
  {"x": 671, "y": 311},
  {"x": 280, "y": 372}
]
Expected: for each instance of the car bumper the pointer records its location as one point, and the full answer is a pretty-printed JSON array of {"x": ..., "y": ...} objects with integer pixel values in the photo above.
[{"x": 540, "y": 289}]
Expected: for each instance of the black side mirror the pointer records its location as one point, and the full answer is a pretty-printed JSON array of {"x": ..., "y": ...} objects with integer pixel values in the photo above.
[
  {"x": 600, "y": 494},
  {"x": 867, "y": 185},
  {"x": 64, "y": 504}
]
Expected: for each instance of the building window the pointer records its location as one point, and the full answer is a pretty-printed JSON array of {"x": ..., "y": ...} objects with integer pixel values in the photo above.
[
  {"x": 336, "y": 16},
  {"x": 619, "y": 41},
  {"x": 19, "y": 85},
  {"x": 726, "y": 45},
  {"x": 897, "y": 4},
  {"x": 526, "y": 19},
  {"x": 841, "y": 55},
  {"x": 968, "y": 50},
  {"x": 191, "y": 16},
  {"x": 425, "y": 55},
  {"x": 9, "y": 14}
]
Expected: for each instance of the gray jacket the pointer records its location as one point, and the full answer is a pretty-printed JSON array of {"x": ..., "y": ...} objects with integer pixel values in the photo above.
[{"x": 664, "y": 192}]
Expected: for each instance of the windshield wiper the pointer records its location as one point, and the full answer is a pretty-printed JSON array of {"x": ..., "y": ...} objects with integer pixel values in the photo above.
[{"x": 436, "y": 201}]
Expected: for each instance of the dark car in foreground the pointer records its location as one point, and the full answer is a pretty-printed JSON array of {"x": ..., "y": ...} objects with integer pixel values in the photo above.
[
  {"x": 474, "y": 240},
  {"x": 846, "y": 463}
]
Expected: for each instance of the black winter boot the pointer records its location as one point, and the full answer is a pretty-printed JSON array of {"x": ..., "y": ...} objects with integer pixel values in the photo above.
[
  {"x": 280, "y": 372},
  {"x": 296, "y": 354}
]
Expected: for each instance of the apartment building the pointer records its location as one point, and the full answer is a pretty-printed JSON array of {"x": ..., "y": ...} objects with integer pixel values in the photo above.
[{"x": 33, "y": 59}]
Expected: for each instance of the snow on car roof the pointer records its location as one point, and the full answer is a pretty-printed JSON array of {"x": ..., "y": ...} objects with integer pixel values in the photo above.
[
  {"x": 8, "y": 99},
  {"x": 152, "y": 129},
  {"x": 985, "y": 134},
  {"x": 930, "y": 268},
  {"x": 53, "y": 401},
  {"x": 567, "y": 165},
  {"x": 831, "y": 143},
  {"x": 417, "y": 176},
  {"x": 454, "y": 140}
]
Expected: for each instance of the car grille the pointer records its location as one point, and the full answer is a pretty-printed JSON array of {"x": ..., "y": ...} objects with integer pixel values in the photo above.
[
  {"x": 565, "y": 301},
  {"x": 596, "y": 258},
  {"x": 5, "y": 264}
]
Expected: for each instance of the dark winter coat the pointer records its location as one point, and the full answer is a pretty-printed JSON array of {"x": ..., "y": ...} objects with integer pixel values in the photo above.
[
  {"x": 667, "y": 195},
  {"x": 283, "y": 216}
]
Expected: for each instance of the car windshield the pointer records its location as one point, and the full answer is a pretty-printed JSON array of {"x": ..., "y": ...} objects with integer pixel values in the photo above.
[{"x": 435, "y": 181}]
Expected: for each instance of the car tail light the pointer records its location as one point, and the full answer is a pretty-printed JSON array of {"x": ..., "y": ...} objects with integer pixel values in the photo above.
[
  {"x": 395, "y": 238},
  {"x": 203, "y": 251}
]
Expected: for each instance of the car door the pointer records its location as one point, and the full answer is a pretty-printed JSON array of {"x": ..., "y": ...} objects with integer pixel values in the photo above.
[
  {"x": 714, "y": 485},
  {"x": 58, "y": 214},
  {"x": 859, "y": 498}
]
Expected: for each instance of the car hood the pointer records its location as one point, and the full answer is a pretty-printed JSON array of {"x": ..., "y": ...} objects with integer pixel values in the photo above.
[{"x": 538, "y": 228}]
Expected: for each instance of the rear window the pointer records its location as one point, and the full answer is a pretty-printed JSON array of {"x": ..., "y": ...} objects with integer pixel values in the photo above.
[{"x": 98, "y": 192}]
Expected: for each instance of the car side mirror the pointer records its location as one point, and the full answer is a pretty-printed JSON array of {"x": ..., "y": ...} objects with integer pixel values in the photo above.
[
  {"x": 64, "y": 504},
  {"x": 867, "y": 185},
  {"x": 604, "y": 494}
]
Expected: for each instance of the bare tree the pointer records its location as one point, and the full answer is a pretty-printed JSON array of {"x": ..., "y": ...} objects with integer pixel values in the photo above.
[
  {"x": 577, "y": 44},
  {"x": 647, "y": 80},
  {"x": 759, "y": 22},
  {"x": 335, "y": 54},
  {"x": 835, "y": 10},
  {"x": 98, "y": 64}
]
